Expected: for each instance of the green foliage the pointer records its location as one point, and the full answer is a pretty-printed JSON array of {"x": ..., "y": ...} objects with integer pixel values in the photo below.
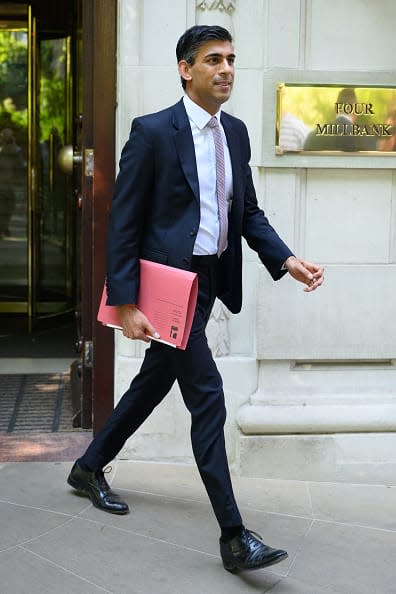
[
  {"x": 52, "y": 87},
  {"x": 13, "y": 57},
  {"x": 52, "y": 97},
  {"x": 14, "y": 85}
]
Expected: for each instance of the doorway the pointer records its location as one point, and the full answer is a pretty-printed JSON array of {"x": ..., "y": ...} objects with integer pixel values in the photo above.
[
  {"x": 37, "y": 225},
  {"x": 49, "y": 274}
]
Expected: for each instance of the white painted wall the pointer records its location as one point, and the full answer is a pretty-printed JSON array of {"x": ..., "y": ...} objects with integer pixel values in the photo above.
[{"x": 296, "y": 367}]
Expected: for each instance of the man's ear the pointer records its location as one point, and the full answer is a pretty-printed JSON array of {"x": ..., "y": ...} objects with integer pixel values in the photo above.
[{"x": 184, "y": 70}]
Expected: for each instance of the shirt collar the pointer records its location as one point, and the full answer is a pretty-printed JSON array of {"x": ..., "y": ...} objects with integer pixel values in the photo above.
[{"x": 196, "y": 114}]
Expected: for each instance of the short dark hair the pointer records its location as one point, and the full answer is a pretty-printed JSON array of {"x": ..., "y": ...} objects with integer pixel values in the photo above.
[{"x": 189, "y": 43}]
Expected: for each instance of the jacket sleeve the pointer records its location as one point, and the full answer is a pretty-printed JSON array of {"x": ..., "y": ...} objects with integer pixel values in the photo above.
[{"x": 127, "y": 216}]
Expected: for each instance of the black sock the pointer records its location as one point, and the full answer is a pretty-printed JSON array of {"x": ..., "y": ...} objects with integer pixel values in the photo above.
[{"x": 230, "y": 532}]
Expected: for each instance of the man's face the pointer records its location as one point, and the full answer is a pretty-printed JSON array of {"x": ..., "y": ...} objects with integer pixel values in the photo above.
[{"x": 210, "y": 79}]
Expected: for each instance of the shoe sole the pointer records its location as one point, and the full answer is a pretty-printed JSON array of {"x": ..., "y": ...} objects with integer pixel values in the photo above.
[
  {"x": 84, "y": 492},
  {"x": 236, "y": 568}
]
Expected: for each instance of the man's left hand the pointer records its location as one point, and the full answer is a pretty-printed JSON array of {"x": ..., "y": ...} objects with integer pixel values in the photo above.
[{"x": 305, "y": 272}]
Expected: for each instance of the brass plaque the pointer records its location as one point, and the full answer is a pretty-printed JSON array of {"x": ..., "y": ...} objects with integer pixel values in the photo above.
[{"x": 335, "y": 119}]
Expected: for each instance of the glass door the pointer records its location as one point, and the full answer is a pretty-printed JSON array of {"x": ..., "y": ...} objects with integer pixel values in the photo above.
[
  {"x": 52, "y": 286},
  {"x": 14, "y": 163},
  {"x": 36, "y": 203}
]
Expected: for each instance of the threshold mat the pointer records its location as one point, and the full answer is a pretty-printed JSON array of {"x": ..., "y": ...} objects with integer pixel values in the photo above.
[{"x": 35, "y": 403}]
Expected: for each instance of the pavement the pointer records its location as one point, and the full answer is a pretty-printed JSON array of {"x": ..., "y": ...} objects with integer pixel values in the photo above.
[{"x": 341, "y": 538}]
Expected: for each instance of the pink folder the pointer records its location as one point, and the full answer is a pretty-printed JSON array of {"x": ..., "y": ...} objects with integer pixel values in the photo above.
[{"x": 167, "y": 297}]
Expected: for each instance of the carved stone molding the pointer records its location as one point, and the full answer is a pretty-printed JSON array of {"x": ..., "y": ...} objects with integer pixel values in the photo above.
[{"x": 221, "y": 5}]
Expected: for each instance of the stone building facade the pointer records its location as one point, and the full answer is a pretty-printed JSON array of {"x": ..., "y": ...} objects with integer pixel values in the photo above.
[{"x": 310, "y": 379}]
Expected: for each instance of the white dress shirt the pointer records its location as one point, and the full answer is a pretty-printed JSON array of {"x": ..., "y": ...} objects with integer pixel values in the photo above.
[{"x": 208, "y": 232}]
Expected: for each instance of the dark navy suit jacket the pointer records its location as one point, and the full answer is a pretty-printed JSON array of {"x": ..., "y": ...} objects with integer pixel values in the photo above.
[{"x": 156, "y": 210}]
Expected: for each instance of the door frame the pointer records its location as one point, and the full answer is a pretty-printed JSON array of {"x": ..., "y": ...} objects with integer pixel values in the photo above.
[{"x": 99, "y": 39}]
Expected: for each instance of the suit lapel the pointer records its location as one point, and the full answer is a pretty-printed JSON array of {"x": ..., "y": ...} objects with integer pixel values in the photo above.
[
  {"x": 185, "y": 147},
  {"x": 235, "y": 156}
]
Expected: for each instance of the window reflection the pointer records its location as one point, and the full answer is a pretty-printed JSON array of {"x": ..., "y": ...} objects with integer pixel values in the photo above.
[{"x": 13, "y": 170}]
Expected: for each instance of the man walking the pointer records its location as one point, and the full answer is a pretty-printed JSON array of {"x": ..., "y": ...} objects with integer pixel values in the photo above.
[{"x": 184, "y": 196}]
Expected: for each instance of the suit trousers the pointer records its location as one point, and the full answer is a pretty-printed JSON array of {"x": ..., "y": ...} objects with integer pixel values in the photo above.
[{"x": 202, "y": 390}]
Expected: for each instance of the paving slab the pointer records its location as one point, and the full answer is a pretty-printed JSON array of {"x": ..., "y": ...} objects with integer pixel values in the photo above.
[
  {"x": 179, "y": 480},
  {"x": 271, "y": 495},
  {"x": 123, "y": 562},
  {"x": 44, "y": 447},
  {"x": 291, "y": 586},
  {"x": 351, "y": 559},
  {"x": 177, "y": 521},
  {"x": 19, "y": 524},
  {"x": 40, "y": 485},
  {"x": 22, "y": 571},
  {"x": 192, "y": 524},
  {"x": 341, "y": 538},
  {"x": 274, "y": 495},
  {"x": 365, "y": 505}
]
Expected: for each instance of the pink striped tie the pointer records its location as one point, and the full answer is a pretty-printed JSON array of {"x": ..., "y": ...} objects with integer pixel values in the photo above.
[{"x": 220, "y": 184}]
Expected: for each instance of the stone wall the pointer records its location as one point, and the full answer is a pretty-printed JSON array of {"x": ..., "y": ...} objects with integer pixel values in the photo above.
[{"x": 309, "y": 378}]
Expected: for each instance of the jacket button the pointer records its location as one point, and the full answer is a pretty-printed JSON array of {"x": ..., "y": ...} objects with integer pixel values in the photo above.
[{"x": 193, "y": 232}]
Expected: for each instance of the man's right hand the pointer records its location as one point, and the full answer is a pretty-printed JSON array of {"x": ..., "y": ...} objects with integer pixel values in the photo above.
[{"x": 135, "y": 325}]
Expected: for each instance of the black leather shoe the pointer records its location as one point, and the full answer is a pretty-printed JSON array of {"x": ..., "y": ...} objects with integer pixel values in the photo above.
[
  {"x": 247, "y": 551},
  {"x": 98, "y": 490}
]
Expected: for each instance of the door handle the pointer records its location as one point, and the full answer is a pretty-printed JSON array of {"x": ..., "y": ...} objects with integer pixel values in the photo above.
[{"x": 68, "y": 158}]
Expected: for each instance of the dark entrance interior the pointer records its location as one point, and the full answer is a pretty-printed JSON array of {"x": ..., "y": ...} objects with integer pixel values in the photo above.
[
  {"x": 49, "y": 276},
  {"x": 36, "y": 120},
  {"x": 38, "y": 242}
]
